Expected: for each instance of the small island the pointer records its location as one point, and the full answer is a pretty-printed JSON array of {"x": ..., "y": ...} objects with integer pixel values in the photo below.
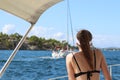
[{"x": 9, "y": 42}]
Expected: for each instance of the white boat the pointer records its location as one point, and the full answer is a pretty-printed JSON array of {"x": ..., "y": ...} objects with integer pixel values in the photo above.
[{"x": 60, "y": 54}]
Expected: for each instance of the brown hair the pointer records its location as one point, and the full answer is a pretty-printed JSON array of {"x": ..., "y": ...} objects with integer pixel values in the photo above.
[{"x": 84, "y": 37}]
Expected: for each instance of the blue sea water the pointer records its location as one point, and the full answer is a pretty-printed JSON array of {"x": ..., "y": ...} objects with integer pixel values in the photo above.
[{"x": 39, "y": 65}]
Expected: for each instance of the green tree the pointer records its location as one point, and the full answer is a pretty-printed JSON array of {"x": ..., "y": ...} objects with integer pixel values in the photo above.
[
  {"x": 41, "y": 42},
  {"x": 4, "y": 40},
  {"x": 34, "y": 40},
  {"x": 15, "y": 36}
]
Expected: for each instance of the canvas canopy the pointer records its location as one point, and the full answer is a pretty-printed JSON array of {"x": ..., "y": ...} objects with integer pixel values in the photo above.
[{"x": 29, "y": 10}]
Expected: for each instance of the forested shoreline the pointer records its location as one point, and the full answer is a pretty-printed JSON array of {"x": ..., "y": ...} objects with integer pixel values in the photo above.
[{"x": 9, "y": 42}]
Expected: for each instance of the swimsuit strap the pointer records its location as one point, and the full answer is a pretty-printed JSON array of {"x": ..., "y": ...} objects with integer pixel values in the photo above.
[
  {"x": 79, "y": 66},
  {"x": 94, "y": 60},
  {"x": 89, "y": 73},
  {"x": 76, "y": 62}
]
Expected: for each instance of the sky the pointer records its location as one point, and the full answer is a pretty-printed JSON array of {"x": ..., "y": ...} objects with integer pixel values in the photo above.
[{"x": 100, "y": 17}]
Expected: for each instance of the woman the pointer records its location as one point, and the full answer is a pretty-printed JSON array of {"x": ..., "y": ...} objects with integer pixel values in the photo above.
[{"x": 87, "y": 63}]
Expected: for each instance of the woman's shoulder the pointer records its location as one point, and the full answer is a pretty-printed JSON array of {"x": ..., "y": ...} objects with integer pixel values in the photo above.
[
  {"x": 98, "y": 52},
  {"x": 70, "y": 56}
]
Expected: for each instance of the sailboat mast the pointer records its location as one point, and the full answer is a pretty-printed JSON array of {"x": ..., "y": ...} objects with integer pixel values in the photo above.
[
  {"x": 67, "y": 24},
  {"x": 69, "y": 20}
]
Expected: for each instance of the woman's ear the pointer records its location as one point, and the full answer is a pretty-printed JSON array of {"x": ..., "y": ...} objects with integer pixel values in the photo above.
[
  {"x": 79, "y": 47},
  {"x": 77, "y": 44}
]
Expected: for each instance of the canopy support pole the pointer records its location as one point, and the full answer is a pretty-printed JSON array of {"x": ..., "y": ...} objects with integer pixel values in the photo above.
[{"x": 14, "y": 52}]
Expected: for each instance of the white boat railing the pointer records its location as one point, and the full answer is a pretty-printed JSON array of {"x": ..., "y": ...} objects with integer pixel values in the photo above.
[
  {"x": 56, "y": 78},
  {"x": 110, "y": 69}
]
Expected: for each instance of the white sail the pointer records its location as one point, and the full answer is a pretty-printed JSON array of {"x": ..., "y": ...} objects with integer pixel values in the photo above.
[{"x": 29, "y": 10}]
